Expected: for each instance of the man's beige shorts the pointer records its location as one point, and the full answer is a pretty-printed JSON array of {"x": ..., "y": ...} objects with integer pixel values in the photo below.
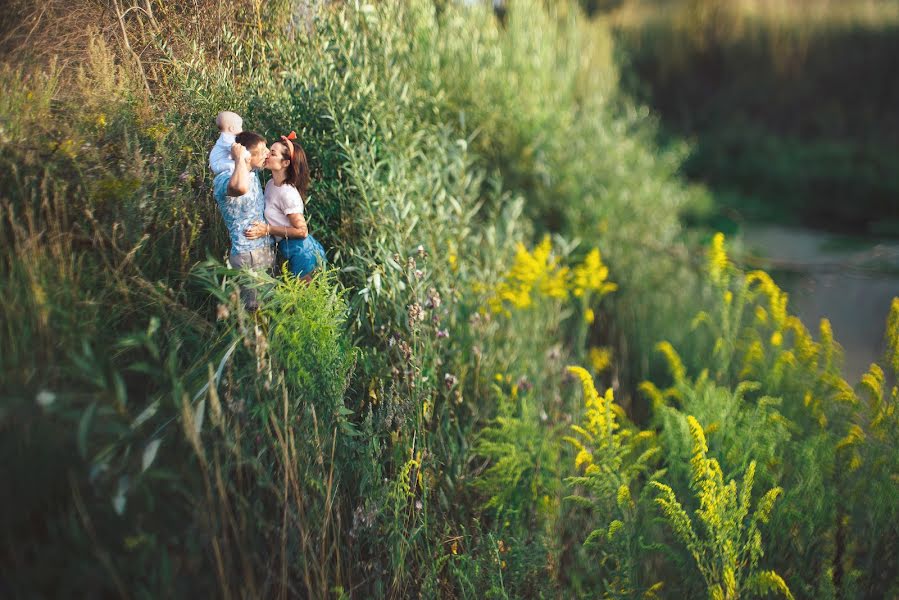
[{"x": 260, "y": 259}]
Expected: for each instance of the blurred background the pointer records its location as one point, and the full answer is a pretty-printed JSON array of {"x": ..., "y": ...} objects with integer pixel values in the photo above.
[{"x": 790, "y": 111}]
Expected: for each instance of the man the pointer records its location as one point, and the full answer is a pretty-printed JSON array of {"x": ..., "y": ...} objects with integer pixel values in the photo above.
[{"x": 239, "y": 196}]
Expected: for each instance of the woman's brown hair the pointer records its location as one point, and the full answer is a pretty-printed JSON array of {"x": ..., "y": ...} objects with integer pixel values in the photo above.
[{"x": 298, "y": 169}]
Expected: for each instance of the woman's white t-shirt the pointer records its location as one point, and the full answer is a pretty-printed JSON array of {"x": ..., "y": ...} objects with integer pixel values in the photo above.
[{"x": 280, "y": 201}]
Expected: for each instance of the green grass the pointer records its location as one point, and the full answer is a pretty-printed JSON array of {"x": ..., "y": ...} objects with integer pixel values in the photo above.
[{"x": 389, "y": 429}]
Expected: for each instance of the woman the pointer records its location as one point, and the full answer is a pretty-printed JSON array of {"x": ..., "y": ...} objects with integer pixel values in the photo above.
[{"x": 284, "y": 194}]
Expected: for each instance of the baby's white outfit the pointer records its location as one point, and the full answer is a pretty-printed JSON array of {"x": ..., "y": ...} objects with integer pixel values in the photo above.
[{"x": 220, "y": 159}]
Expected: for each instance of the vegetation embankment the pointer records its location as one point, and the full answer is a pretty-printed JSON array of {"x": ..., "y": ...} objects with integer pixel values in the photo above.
[
  {"x": 406, "y": 424},
  {"x": 789, "y": 104}
]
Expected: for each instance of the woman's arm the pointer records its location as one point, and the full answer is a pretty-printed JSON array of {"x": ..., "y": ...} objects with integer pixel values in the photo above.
[{"x": 298, "y": 228}]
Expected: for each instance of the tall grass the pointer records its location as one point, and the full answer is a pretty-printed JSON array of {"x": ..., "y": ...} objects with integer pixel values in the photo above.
[{"x": 397, "y": 426}]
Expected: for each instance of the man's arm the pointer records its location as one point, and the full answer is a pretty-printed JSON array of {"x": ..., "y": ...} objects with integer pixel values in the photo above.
[
  {"x": 239, "y": 184},
  {"x": 298, "y": 228}
]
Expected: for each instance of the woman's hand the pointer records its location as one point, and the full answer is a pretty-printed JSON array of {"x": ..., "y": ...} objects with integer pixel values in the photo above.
[{"x": 257, "y": 230}]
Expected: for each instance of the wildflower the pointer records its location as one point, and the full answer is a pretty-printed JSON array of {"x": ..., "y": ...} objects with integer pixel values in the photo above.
[
  {"x": 591, "y": 276},
  {"x": 674, "y": 362},
  {"x": 433, "y": 300},
  {"x": 530, "y": 270},
  {"x": 419, "y": 273},
  {"x": 717, "y": 259},
  {"x": 614, "y": 527},
  {"x": 523, "y": 384},
  {"x": 777, "y": 338},
  {"x": 421, "y": 251},
  {"x": 418, "y": 504},
  {"x": 453, "y": 262},
  {"x": 892, "y": 335},
  {"x": 554, "y": 284},
  {"x": 410, "y": 263},
  {"x": 477, "y": 352},
  {"x": 583, "y": 458},
  {"x": 184, "y": 176},
  {"x": 589, "y": 316},
  {"x": 442, "y": 333},
  {"x": 600, "y": 415},
  {"x": 454, "y": 548},
  {"x": 416, "y": 313},
  {"x": 449, "y": 380},
  {"x": 405, "y": 350},
  {"x": 45, "y": 398},
  {"x": 600, "y": 359},
  {"x": 777, "y": 299}
]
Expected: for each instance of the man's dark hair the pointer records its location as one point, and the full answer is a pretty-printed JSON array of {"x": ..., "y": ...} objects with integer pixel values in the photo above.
[{"x": 249, "y": 139}]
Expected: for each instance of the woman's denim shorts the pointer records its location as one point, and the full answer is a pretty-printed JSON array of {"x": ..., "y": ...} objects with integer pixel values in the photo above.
[{"x": 303, "y": 255}]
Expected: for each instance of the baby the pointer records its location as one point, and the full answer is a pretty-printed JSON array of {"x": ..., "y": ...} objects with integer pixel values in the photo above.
[{"x": 229, "y": 124}]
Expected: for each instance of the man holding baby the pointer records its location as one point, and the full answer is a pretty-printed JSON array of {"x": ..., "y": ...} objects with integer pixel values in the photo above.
[
  {"x": 253, "y": 216},
  {"x": 234, "y": 161}
]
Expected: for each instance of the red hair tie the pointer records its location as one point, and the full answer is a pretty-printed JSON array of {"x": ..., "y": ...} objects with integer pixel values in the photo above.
[{"x": 286, "y": 139}]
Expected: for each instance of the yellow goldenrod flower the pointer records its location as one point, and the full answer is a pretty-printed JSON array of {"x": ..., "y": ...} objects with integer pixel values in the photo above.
[
  {"x": 583, "y": 458},
  {"x": 589, "y": 316},
  {"x": 538, "y": 273},
  {"x": 854, "y": 436},
  {"x": 717, "y": 259},
  {"x": 777, "y": 339},
  {"x": 674, "y": 362},
  {"x": 591, "y": 276},
  {"x": 892, "y": 336},
  {"x": 614, "y": 527},
  {"x": 600, "y": 359}
]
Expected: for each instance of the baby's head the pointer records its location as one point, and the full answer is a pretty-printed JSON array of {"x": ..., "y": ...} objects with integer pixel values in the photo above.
[{"x": 229, "y": 122}]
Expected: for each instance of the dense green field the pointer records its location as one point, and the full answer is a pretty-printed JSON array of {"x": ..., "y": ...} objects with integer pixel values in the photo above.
[{"x": 522, "y": 377}]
